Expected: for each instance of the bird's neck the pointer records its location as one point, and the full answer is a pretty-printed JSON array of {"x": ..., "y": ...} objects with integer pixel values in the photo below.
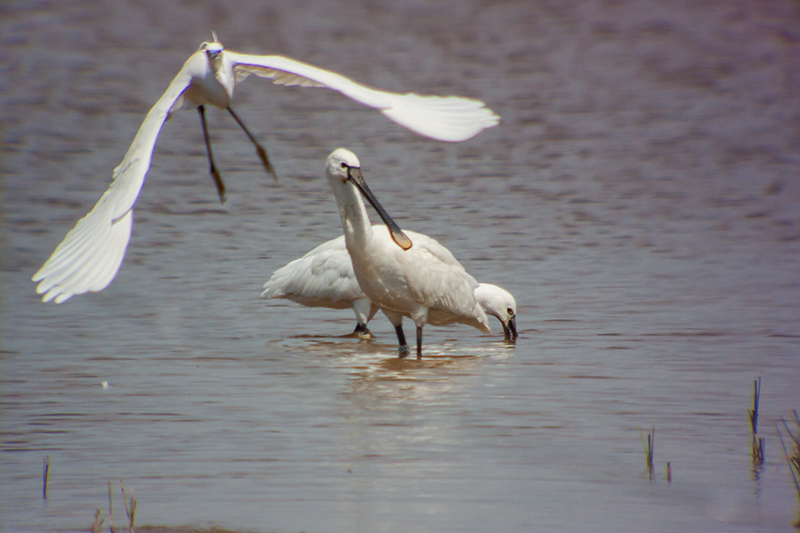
[{"x": 355, "y": 221}]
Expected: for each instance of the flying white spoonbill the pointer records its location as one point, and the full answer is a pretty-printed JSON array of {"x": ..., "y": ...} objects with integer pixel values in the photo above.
[
  {"x": 421, "y": 280},
  {"x": 324, "y": 277},
  {"x": 91, "y": 253}
]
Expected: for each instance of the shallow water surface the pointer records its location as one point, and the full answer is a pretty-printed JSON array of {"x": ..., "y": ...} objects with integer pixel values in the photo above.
[{"x": 640, "y": 199}]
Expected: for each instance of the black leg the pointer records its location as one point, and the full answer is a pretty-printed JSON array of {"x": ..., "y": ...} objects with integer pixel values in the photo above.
[
  {"x": 419, "y": 342},
  {"x": 401, "y": 340},
  {"x": 212, "y": 167},
  {"x": 259, "y": 149},
  {"x": 362, "y": 331}
]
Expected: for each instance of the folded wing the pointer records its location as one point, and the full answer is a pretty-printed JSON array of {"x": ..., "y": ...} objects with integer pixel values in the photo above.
[{"x": 323, "y": 277}]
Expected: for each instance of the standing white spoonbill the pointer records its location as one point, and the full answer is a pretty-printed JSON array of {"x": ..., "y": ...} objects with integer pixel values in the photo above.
[
  {"x": 324, "y": 277},
  {"x": 421, "y": 280},
  {"x": 91, "y": 253}
]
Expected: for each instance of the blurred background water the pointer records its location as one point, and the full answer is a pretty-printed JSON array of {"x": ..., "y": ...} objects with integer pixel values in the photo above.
[{"x": 640, "y": 198}]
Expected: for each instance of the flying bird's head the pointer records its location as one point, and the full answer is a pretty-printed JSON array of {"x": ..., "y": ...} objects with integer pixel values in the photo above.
[{"x": 212, "y": 49}]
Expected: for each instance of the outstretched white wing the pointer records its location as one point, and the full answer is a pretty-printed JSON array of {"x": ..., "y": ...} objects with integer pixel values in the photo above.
[
  {"x": 445, "y": 118},
  {"x": 91, "y": 253}
]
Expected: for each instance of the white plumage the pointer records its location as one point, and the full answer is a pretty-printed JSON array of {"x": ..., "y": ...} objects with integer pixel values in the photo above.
[
  {"x": 324, "y": 277},
  {"x": 419, "y": 279},
  {"x": 91, "y": 253}
]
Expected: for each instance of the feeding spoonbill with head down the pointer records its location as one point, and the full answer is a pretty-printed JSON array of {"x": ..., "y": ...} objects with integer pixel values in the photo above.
[
  {"x": 324, "y": 277},
  {"x": 499, "y": 303},
  {"x": 91, "y": 253},
  {"x": 418, "y": 279}
]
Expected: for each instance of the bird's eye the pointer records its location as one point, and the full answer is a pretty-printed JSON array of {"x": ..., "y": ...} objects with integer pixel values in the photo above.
[
  {"x": 510, "y": 312},
  {"x": 344, "y": 165}
]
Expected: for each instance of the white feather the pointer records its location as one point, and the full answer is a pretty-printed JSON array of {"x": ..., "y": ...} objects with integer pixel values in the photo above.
[{"x": 92, "y": 252}]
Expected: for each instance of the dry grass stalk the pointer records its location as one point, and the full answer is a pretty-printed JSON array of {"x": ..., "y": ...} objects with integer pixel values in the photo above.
[
  {"x": 110, "y": 507},
  {"x": 45, "y": 476},
  {"x": 792, "y": 458},
  {"x": 757, "y": 445},
  {"x": 97, "y": 522},
  {"x": 649, "y": 445},
  {"x": 130, "y": 507}
]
